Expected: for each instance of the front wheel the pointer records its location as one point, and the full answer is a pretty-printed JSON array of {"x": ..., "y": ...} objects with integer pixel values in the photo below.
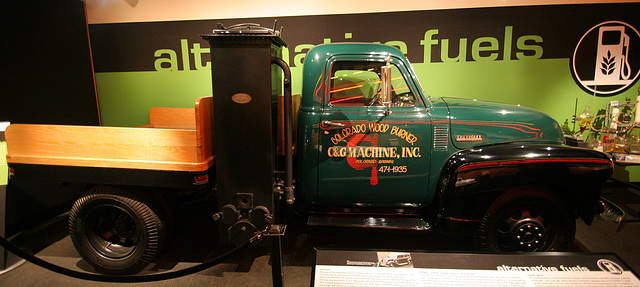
[
  {"x": 114, "y": 231},
  {"x": 526, "y": 219}
]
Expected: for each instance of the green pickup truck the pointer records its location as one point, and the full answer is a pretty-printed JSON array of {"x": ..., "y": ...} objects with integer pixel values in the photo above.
[{"x": 372, "y": 149}]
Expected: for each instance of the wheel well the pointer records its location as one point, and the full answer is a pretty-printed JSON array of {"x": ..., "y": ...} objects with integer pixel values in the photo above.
[{"x": 560, "y": 194}]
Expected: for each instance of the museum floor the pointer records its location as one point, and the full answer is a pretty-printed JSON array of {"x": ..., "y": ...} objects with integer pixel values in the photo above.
[{"x": 194, "y": 244}]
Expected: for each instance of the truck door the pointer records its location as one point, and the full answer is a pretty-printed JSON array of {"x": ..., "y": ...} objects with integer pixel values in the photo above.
[{"x": 368, "y": 155}]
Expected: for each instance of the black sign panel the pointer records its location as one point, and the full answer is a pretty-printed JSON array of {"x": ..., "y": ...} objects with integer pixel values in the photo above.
[{"x": 458, "y": 35}]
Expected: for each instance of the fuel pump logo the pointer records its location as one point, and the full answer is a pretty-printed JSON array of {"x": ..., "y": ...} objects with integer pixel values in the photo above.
[
  {"x": 610, "y": 267},
  {"x": 606, "y": 61}
]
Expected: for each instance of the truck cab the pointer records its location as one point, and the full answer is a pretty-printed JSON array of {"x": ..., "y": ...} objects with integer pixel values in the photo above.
[{"x": 361, "y": 154}]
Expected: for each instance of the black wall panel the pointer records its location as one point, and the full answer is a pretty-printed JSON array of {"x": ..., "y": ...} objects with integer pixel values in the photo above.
[{"x": 45, "y": 68}]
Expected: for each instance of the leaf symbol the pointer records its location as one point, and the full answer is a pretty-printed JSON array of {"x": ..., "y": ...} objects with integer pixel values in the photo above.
[{"x": 608, "y": 64}]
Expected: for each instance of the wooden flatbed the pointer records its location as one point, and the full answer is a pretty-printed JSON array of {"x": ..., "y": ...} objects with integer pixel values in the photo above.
[{"x": 178, "y": 139}]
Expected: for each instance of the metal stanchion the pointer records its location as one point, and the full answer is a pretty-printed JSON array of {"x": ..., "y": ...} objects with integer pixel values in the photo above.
[{"x": 276, "y": 232}]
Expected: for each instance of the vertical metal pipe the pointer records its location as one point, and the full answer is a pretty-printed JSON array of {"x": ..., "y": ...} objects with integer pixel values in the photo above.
[{"x": 288, "y": 130}]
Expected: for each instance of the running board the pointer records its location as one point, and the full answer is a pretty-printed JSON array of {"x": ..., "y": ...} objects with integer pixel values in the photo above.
[{"x": 370, "y": 222}]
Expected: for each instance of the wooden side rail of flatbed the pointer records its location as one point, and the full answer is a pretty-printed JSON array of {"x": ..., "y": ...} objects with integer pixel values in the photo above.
[
  {"x": 178, "y": 139},
  {"x": 172, "y": 118}
]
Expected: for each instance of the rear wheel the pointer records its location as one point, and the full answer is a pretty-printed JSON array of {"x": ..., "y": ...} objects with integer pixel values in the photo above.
[
  {"x": 526, "y": 219},
  {"x": 114, "y": 231}
]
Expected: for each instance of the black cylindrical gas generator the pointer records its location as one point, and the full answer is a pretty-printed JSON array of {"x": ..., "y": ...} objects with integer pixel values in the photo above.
[{"x": 246, "y": 87}]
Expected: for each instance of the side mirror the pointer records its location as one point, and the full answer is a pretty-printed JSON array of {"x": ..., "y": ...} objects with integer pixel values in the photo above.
[{"x": 385, "y": 74}]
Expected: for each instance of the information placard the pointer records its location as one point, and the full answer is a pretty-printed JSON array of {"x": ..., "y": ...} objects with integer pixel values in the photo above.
[{"x": 372, "y": 268}]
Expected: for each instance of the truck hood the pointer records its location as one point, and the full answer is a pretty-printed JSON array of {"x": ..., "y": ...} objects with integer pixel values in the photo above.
[{"x": 476, "y": 123}]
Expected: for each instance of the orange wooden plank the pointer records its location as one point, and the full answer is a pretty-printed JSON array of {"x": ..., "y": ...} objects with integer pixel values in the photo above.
[
  {"x": 173, "y": 118},
  {"x": 116, "y": 147}
]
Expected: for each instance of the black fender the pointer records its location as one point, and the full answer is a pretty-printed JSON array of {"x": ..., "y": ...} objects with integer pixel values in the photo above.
[{"x": 472, "y": 179}]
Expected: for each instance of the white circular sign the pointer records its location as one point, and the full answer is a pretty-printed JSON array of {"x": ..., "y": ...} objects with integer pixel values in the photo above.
[{"x": 606, "y": 60}]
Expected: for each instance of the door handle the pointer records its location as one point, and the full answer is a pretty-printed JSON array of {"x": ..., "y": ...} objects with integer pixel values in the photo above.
[{"x": 329, "y": 125}]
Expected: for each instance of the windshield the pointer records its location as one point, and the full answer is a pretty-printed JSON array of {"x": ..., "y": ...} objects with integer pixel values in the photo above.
[{"x": 413, "y": 74}]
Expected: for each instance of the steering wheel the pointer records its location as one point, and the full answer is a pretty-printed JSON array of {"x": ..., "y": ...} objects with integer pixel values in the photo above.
[{"x": 404, "y": 100}]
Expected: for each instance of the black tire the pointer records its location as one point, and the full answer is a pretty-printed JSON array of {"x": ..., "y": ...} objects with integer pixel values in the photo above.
[
  {"x": 526, "y": 219},
  {"x": 114, "y": 231},
  {"x": 167, "y": 215},
  {"x": 159, "y": 204}
]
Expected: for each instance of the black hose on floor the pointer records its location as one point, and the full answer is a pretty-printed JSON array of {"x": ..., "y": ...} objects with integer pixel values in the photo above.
[{"x": 127, "y": 278}]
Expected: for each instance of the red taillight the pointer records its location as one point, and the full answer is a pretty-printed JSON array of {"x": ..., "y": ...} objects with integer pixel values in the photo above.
[{"x": 202, "y": 179}]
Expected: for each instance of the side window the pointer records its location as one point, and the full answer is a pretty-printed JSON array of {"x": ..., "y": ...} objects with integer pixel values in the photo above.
[{"x": 357, "y": 83}]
